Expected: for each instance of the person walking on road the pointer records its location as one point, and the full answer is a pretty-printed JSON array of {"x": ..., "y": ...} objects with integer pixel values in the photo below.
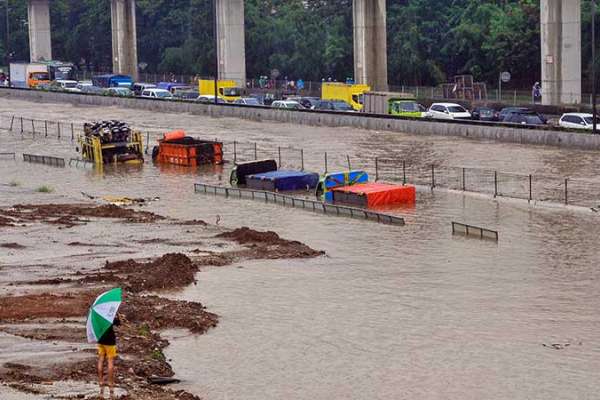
[{"x": 107, "y": 349}]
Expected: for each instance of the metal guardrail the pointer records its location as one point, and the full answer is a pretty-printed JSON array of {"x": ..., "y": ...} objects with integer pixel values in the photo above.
[
  {"x": 13, "y": 155},
  {"x": 46, "y": 160},
  {"x": 77, "y": 161},
  {"x": 311, "y": 205},
  {"x": 474, "y": 231}
]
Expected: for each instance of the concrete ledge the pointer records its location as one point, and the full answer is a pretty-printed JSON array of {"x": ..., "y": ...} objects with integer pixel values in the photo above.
[{"x": 470, "y": 130}]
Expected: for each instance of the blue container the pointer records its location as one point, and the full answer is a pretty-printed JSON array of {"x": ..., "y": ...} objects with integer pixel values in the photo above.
[
  {"x": 283, "y": 180},
  {"x": 339, "y": 179}
]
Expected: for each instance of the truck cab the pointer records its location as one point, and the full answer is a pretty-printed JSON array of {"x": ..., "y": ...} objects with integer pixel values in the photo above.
[
  {"x": 228, "y": 89},
  {"x": 34, "y": 79},
  {"x": 405, "y": 108}
]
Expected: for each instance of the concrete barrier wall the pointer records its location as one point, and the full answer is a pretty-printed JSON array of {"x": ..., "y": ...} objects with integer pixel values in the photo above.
[{"x": 501, "y": 133}]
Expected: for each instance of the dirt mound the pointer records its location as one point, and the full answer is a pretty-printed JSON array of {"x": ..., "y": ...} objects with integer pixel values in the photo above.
[
  {"x": 6, "y": 221},
  {"x": 13, "y": 246},
  {"x": 268, "y": 245},
  {"x": 69, "y": 214},
  {"x": 246, "y": 235},
  {"x": 193, "y": 222},
  {"x": 46, "y": 306},
  {"x": 173, "y": 270}
]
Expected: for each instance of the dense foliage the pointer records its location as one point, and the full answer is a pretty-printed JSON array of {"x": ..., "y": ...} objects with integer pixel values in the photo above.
[{"x": 428, "y": 40}]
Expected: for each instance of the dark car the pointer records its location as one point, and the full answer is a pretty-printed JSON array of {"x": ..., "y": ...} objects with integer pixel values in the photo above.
[
  {"x": 188, "y": 95},
  {"x": 485, "y": 114},
  {"x": 506, "y": 112},
  {"x": 521, "y": 118},
  {"x": 333, "y": 105},
  {"x": 306, "y": 102}
]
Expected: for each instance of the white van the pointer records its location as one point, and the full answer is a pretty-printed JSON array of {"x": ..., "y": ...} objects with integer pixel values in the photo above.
[{"x": 161, "y": 94}]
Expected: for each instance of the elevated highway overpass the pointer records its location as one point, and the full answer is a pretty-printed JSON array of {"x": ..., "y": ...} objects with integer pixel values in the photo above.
[{"x": 560, "y": 43}]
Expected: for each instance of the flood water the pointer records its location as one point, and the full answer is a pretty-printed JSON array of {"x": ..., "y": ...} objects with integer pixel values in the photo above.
[{"x": 391, "y": 312}]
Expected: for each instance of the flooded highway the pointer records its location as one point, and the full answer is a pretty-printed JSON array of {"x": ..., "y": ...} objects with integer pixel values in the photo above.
[{"x": 391, "y": 312}]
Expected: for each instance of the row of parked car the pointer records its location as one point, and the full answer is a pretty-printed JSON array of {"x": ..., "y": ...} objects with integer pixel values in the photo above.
[{"x": 511, "y": 115}]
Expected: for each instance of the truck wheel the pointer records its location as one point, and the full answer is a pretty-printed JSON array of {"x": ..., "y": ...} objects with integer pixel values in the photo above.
[{"x": 155, "y": 151}]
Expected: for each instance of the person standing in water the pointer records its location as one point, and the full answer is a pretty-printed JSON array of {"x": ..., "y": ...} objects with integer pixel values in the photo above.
[{"x": 107, "y": 349}]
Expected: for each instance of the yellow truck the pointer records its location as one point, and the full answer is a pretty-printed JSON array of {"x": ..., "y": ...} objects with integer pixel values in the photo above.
[
  {"x": 228, "y": 90},
  {"x": 351, "y": 94}
]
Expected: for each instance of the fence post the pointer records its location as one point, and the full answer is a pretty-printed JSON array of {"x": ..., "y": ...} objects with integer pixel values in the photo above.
[
  {"x": 58, "y": 124},
  {"x": 12, "y": 120},
  {"x": 234, "y": 151},
  {"x": 72, "y": 132},
  {"x": 21, "y": 125},
  {"x": 530, "y": 187},
  {"x": 325, "y": 162},
  {"x": 255, "y": 151},
  {"x": 495, "y": 183},
  {"x": 432, "y": 176},
  {"x": 349, "y": 165},
  {"x": 403, "y": 172},
  {"x": 279, "y": 155},
  {"x": 566, "y": 192},
  {"x": 376, "y": 169},
  {"x": 464, "y": 184},
  {"x": 302, "y": 158},
  {"x": 46, "y": 128},
  {"x": 515, "y": 98},
  {"x": 33, "y": 127}
]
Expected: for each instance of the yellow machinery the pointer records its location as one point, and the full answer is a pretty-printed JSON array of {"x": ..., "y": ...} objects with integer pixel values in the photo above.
[
  {"x": 228, "y": 89},
  {"x": 351, "y": 94},
  {"x": 130, "y": 152}
]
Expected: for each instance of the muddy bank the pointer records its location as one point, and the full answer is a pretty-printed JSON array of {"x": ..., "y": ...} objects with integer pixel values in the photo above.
[
  {"x": 57, "y": 315},
  {"x": 268, "y": 245},
  {"x": 70, "y": 215}
]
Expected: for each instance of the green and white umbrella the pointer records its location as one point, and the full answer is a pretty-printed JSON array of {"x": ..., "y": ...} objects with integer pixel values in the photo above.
[{"x": 102, "y": 314}]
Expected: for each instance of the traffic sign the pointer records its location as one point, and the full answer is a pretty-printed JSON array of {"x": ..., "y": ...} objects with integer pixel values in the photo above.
[{"x": 505, "y": 76}]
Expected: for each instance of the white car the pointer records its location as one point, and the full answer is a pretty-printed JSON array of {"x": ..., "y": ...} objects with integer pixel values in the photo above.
[
  {"x": 68, "y": 86},
  {"x": 288, "y": 104},
  {"x": 161, "y": 94},
  {"x": 447, "y": 111},
  {"x": 578, "y": 121}
]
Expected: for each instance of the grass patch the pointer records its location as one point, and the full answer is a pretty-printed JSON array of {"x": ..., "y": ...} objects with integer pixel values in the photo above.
[
  {"x": 44, "y": 189},
  {"x": 14, "y": 183},
  {"x": 157, "y": 355},
  {"x": 144, "y": 330}
]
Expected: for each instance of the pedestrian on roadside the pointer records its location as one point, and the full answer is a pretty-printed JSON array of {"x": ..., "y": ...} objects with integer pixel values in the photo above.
[
  {"x": 536, "y": 92},
  {"x": 107, "y": 349}
]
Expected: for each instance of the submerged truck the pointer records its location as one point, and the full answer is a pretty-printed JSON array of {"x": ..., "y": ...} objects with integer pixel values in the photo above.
[
  {"x": 28, "y": 75},
  {"x": 351, "y": 94},
  {"x": 400, "y": 104},
  {"x": 228, "y": 89}
]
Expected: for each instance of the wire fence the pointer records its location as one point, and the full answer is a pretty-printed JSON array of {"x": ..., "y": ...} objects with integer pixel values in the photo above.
[
  {"x": 514, "y": 96},
  {"x": 530, "y": 187}
]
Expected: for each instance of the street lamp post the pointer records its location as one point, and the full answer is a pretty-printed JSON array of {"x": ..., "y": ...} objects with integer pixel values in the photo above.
[
  {"x": 594, "y": 111},
  {"x": 7, "y": 49},
  {"x": 216, "y": 37}
]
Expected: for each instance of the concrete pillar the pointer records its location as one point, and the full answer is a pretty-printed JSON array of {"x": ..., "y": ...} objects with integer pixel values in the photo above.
[
  {"x": 124, "y": 38},
  {"x": 40, "y": 42},
  {"x": 231, "y": 40},
  {"x": 370, "y": 43},
  {"x": 561, "y": 51}
]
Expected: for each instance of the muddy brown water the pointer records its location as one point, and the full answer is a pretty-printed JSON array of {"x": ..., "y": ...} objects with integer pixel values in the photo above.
[{"x": 391, "y": 312}]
